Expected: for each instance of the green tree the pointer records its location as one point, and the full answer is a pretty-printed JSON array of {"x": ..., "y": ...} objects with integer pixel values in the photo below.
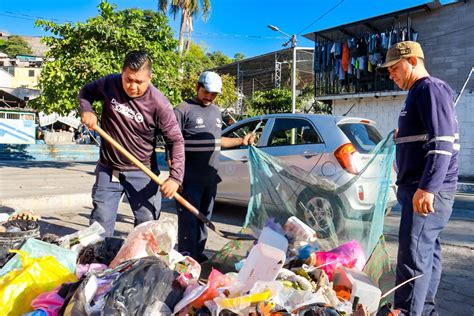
[
  {"x": 239, "y": 57},
  {"x": 271, "y": 101},
  {"x": 15, "y": 45},
  {"x": 195, "y": 61},
  {"x": 83, "y": 52},
  {"x": 218, "y": 58},
  {"x": 188, "y": 10}
]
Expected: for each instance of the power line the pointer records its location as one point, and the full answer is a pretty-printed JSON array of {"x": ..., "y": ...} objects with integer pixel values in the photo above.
[
  {"x": 230, "y": 36},
  {"x": 24, "y": 16},
  {"x": 17, "y": 17},
  {"x": 321, "y": 16}
]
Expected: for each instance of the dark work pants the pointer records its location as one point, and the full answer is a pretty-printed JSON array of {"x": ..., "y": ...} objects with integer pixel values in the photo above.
[
  {"x": 192, "y": 233},
  {"x": 142, "y": 194},
  {"x": 419, "y": 252}
]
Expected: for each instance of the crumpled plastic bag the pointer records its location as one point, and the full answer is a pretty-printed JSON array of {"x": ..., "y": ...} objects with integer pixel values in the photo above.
[
  {"x": 148, "y": 239},
  {"x": 37, "y": 275},
  {"x": 349, "y": 255},
  {"x": 196, "y": 295},
  {"x": 37, "y": 249},
  {"x": 83, "y": 237}
]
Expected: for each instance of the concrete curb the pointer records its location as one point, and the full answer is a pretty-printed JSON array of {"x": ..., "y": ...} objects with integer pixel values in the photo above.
[
  {"x": 47, "y": 202},
  {"x": 465, "y": 187}
]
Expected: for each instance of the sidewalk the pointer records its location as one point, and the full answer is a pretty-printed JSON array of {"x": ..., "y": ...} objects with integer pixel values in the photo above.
[{"x": 45, "y": 185}]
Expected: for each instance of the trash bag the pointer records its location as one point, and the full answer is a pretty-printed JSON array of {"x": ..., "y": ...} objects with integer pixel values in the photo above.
[
  {"x": 281, "y": 190},
  {"x": 144, "y": 286},
  {"x": 147, "y": 239},
  {"x": 37, "y": 275},
  {"x": 37, "y": 249},
  {"x": 148, "y": 287},
  {"x": 349, "y": 254}
]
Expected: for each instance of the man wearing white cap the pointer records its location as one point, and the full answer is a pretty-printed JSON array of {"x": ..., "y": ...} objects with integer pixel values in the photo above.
[{"x": 201, "y": 122}]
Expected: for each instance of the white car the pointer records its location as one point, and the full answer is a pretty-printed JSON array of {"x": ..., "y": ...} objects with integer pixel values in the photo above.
[{"x": 335, "y": 147}]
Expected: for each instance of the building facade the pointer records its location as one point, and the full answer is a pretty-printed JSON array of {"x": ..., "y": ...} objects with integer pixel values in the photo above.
[{"x": 445, "y": 33}]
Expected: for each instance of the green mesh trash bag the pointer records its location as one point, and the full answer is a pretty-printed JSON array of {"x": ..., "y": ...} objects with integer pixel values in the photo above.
[{"x": 280, "y": 190}]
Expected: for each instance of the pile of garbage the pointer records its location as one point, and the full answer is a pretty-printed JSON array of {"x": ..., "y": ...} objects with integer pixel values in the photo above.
[{"x": 284, "y": 273}]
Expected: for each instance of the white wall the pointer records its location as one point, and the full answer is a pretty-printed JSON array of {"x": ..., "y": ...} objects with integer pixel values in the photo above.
[
  {"x": 384, "y": 111},
  {"x": 465, "y": 111},
  {"x": 5, "y": 79}
]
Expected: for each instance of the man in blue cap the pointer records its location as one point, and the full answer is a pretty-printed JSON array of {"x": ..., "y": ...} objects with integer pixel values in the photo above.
[{"x": 201, "y": 122}]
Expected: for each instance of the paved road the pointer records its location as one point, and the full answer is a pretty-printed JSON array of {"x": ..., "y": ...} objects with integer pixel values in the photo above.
[{"x": 60, "y": 192}]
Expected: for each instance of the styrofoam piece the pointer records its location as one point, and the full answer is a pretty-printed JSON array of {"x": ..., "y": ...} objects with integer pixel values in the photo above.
[
  {"x": 272, "y": 238},
  {"x": 263, "y": 264},
  {"x": 361, "y": 285}
]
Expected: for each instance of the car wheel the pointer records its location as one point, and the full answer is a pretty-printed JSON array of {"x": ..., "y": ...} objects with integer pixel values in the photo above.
[{"x": 319, "y": 213}]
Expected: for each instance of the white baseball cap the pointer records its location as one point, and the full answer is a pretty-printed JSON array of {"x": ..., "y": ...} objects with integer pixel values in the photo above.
[{"x": 211, "y": 81}]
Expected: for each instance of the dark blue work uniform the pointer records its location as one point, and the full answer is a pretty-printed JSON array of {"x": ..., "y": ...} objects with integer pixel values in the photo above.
[
  {"x": 201, "y": 127},
  {"x": 427, "y": 158}
]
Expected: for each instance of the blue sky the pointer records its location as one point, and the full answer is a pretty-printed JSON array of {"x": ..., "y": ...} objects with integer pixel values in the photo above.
[{"x": 233, "y": 26}]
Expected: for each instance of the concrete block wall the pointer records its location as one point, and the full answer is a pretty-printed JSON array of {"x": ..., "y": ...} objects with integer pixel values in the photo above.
[
  {"x": 446, "y": 37},
  {"x": 383, "y": 110},
  {"x": 465, "y": 112}
]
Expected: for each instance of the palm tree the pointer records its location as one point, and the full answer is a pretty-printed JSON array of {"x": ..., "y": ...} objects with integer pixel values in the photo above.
[{"x": 188, "y": 10}]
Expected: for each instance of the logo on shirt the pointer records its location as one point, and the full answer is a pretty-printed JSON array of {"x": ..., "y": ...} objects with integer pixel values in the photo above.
[
  {"x": 200, "y": 122},
  {"x": 126, "y": 111},
  {"x": 404, "y": 111},
  {"x": 218, "y": 122}
]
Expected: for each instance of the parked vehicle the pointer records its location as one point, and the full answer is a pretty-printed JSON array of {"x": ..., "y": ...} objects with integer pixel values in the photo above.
[{"x": 335, "y": 147}]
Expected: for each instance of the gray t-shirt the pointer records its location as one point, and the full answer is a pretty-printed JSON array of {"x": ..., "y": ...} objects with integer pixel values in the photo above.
[{"x": 201, "y": 128}]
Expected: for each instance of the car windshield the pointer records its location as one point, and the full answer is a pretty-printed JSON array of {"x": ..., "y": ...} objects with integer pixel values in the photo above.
[{"x": 364, "y": 137}]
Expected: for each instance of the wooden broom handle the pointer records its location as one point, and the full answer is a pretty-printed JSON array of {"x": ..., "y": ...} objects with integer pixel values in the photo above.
[{"x": 146, "y": 170}]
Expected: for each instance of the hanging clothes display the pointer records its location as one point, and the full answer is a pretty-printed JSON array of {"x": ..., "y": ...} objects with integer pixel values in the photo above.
[{"x": 348, "y": 64}]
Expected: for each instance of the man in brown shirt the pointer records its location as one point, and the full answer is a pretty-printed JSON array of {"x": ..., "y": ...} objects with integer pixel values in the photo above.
[{"x": 134, "y": 112}]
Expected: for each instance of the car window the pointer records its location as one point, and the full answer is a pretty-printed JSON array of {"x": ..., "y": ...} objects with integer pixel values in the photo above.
[
  {"x": 255, "y": 127},
  {"x": 364, "y": 137},
  {"x": 293, "y": 132}
]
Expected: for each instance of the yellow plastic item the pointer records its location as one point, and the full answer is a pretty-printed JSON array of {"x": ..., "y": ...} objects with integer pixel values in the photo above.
[
  {"x": 245, "y": 300},
  {"x": 37, "y": 275}
]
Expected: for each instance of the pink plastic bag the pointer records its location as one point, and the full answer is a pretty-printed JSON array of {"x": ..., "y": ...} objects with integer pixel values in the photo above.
[
  {"x": 350, "y": 255},
  {"x": 216, "y": 280},
  {"x": 49, "y": 302},
  {"x": 147, "y": 239}
]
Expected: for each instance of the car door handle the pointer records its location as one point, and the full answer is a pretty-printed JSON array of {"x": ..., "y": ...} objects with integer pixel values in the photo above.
[
  {"x": 308, "y": 154},
  {"x": 244, "y": 159}
]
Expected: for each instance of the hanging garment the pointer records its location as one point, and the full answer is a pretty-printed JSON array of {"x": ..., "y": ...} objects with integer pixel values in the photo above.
[
  {"x": 342, "y": 73},
  {"x": 362, "y": 62},
  {"x": 361, "y": 47},
  {"x": 385, "y": 40},
  {"x": 345, "y": 57},
  {"x": 338, "y": 52}
]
